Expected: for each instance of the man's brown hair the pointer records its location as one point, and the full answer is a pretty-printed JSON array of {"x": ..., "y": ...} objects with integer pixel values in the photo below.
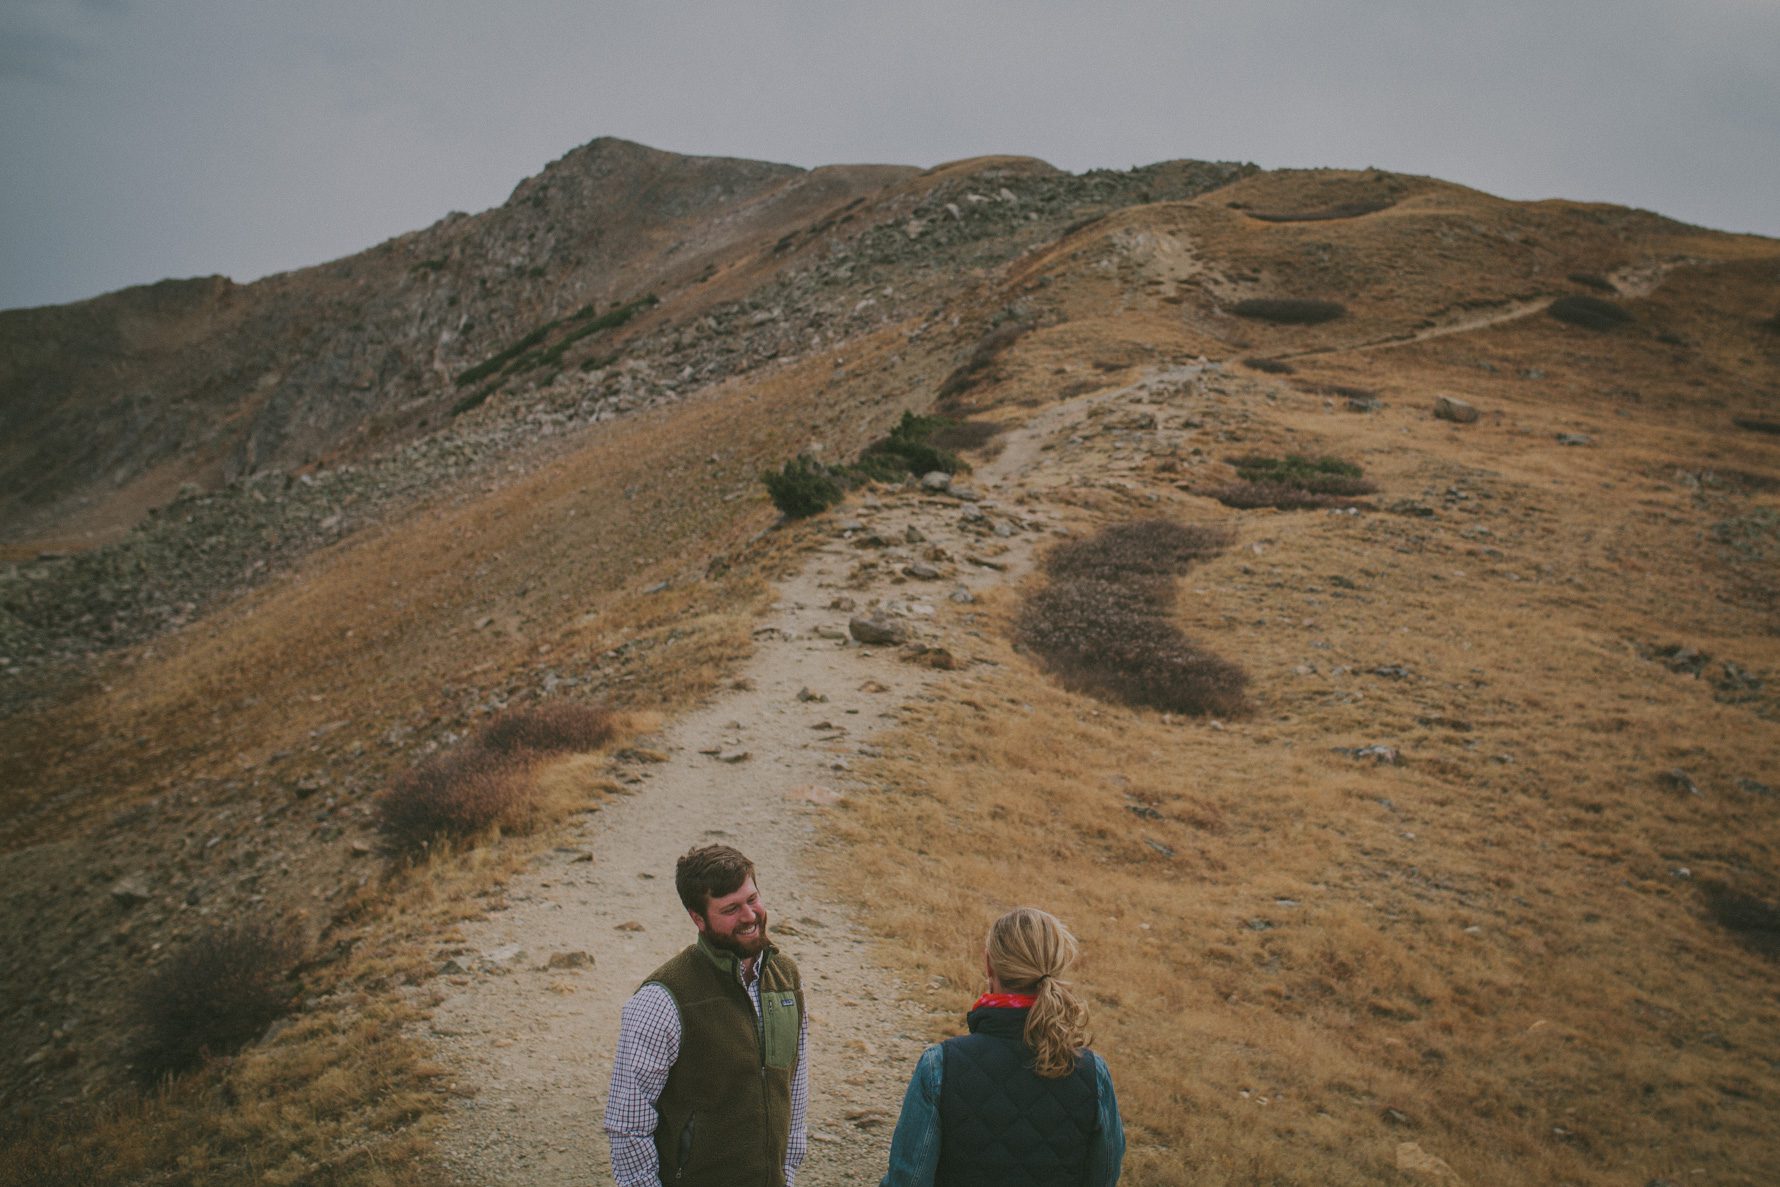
[{"x": 707, "y": 872}]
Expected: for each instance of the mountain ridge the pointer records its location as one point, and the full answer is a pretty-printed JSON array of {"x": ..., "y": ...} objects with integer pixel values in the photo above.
[{"x": 1486, "y": 868}]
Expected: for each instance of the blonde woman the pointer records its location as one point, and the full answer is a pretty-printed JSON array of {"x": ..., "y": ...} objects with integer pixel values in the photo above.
[{"x": 1020, "y": 1101}]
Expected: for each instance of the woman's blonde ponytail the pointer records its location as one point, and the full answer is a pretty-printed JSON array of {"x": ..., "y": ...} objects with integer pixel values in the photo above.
[{"x": 1030, "y": 950}]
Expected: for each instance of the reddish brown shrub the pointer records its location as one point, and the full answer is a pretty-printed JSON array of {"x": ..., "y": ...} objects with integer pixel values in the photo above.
[
  {"x": 457, "y": 794},
  {"x": 1102, "y": 625},
  {"x": 216, "y": 994},
  {"x": 1246, "y": 496},
  {"x": 554, "y": 728},
  {"x": 1149, "y": 547}
]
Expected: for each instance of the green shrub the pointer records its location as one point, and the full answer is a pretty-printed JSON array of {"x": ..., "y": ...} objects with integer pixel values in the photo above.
[
  {"x": 216, "y": 994},
  {"x": 1269, "y": 366},
  {"x": 1323, "y": 475},
  {"x": 1590, "y": 313},
  {"x": 557, "y": 727},
  {"x": 802, "y": 487},
  {"x": 472, "y": 401},
  {"x": 1591, "y": 280},
  {"x": 523, "y": 355},
  {"x": 1289, "y": 311}
]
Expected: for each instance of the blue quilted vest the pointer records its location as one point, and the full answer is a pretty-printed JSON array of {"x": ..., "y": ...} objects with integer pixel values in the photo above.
[{"x": 1001, "y": 1123}]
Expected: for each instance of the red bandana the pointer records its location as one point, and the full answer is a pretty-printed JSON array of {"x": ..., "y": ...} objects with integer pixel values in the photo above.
[{"x": 1005, "y": 1001}]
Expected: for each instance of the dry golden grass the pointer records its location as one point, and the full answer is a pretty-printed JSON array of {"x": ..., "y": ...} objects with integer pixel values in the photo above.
[
  {"x": 1503, "y": 948},
  {"x": 407, "y": 629},
  {"x": 1491, "y": 952}
]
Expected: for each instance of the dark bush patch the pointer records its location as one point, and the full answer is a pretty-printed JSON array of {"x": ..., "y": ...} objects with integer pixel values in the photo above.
[
  {"x": 522, "y": 355},
  {"x": 1343, "y": 210},
  {"x": 1144, "y": 548},
  {"x": 805, "y": 486},
  {"x": 1756, "y": 425},
  {"x": 908, "y": 450},
  {"x": 1590, "y": 313},
  {"x": 1771, "y": 324},
  {"x": 802, "y": 487},
  {"x": 1246, "y": 496},
  {"x": 1591, "y": 280},
  {"x": 216, "y": 994},
  {"x": 956, "y": 435},
  {"x": 1269, "y": 366},
  {"x": 1322, "y": 475},
  {"x": 472, "y": 401},
  {"x": 1102, "y": 621},
  {"x": 554, "y": 728},
  {"x": 1289, "y": 311},
  {"x": 1345, "y": 390},
  {"x": 457, "y": 794},
  {"x": 988, "y": 349},
  {"x": 1755, "y": 922}
]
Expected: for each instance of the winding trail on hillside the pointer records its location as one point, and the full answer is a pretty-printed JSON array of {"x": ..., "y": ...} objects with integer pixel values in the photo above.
[
  {"x": 1511, "y": 311},
  {"x": 529, "y": 1047}
]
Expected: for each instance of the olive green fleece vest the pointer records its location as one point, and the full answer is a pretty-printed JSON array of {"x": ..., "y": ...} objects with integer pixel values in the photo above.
[{"x": 724, "y": 1117}]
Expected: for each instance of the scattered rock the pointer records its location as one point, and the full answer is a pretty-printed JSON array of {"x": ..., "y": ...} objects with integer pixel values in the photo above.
[
  {"x": 937, "y": 658},
  {"x": 1456, "y": 410},
  {"x": 913, "y": 535},
  {"x": 1412, "y": 1159},
  {"x": 1676, "y": 779},
  {"x": 569, "y": 960},
  {"x": 936, "y": 480},
  {"x": 876, "y": 631},
  {"x": 732, "y": 756},
  {"x": 1384, "y": 756},
  {"x": 130, "y": 891},
  {"x": 805, "y": 695},
  {"x": 628, "y": 925},
  {"x": 921, "y": 571},
  {"x": 1574, "y": 439},
  {"x": 505, "y": 954},
  {"x": 962, "y": 596}
]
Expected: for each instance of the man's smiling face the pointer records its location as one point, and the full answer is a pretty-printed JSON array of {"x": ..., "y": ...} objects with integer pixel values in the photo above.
[{"x": 735, "y": 921}]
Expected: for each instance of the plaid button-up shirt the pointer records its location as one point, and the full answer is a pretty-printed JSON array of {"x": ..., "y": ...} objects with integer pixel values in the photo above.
[{"x": 648, "y": 1045}]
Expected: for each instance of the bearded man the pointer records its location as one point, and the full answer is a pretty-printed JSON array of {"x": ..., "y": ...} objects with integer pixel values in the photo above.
[{"x": 710, "y": 1084}]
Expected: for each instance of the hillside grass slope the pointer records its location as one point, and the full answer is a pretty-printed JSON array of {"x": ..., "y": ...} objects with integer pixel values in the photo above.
[{"x": 1484, "y": 878}]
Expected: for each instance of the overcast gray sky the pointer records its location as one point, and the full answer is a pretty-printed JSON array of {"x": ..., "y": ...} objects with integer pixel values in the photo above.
[{"x": 184, "y": 137}]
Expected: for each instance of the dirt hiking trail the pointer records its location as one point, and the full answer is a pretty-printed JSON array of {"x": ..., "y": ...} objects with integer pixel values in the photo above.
[{"x": 530, "y": 1046}]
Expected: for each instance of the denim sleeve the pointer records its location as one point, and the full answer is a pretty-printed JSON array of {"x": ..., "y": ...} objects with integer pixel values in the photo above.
[
  {"x": 914, "y": 1147},
  {"x": 1106, "y": 1149}
]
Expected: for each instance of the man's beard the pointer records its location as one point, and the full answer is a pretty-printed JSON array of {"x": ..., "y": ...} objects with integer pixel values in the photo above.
[{"x": 746, "y": 949}]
